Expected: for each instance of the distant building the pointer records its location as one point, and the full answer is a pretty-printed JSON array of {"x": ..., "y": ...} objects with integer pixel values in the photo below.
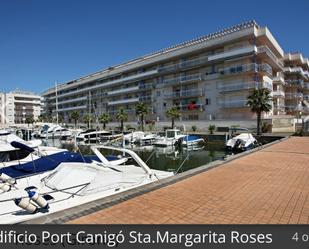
[
  {"x": 207, "y": 78},
  {"x": 17, "y": 106}
]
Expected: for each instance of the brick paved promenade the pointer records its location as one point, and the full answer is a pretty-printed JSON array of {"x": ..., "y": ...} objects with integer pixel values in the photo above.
[{"x": 268, "y": 186}]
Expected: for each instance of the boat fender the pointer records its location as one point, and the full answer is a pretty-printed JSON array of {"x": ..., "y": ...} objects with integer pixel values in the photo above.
[
  {"x": 4, "y": 187},
  {"x": 38, "y": 199},
  {"x": 25, "y": 204},
  {"x": 7, "y": 179}
]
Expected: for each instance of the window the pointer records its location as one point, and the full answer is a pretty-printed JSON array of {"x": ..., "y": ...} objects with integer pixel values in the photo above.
[
  {"x": 207, "y": 101},
  {"x": 164, "y": 104}
]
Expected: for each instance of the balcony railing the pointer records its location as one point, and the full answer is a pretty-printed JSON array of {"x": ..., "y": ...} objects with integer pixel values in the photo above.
[
  {"x": 205, "y": 59},
  {"x": 123, "y": 101},
  {"x": 131, "y": 78},
  {"x": 128, "y": 111},
  {"x": 244, "y": 86},
  {"x": 123, "y": 90},
  {"x": 279, "y": 107},
  {"x": 182, "y": 79},
  {"x": 71, "y": 100},
  {"x": 297, "y": 70},
  {"x": 279, "y": 80},
  {"x": 293, "y": 95},
  {"x": 197, "y": 107},
  {"x": 270, "y": 54},
  {"x": 252, "y": 67},
  {"x": 71, "y": 108},
  {"x": 185, "y": 93},
  {"x": 279, "y": 93},
  {"x": 233, "y": 104},
  {"x": 145, "y": 98},
  {"x": 296, "y": 83}
]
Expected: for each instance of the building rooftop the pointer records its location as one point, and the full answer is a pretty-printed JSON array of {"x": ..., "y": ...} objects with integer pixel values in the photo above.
[{"x": 211, "y": 36}]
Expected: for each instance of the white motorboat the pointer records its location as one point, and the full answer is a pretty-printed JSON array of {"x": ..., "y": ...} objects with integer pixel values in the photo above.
[
  {"x": 172, "y": 136},
  {"x": 56, "y": 132},
  {"x": 72, "y": 184},
  {"x": 242, "y": 142},
  {"x": 133, "y": 136},
  {"x": 192, "y": 140},
  {"x": 140, "y": 137},
  {"x": 93, "y": 136},
  {"x": 9, "y": 153},
  {"x": 147, "y": 139}
]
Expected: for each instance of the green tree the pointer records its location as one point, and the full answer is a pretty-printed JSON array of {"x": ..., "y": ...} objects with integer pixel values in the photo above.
[
  {"x": 29, "y": 120},
  {"x": 211, "y": 129},
  {"x": 121, "y": 116},
  {"x": 141, "y": 111},
  {"x": 75, "y": 116},
  {"x": 88, "y": 119},
  {"x": 104, "y": 119},
  {"x": 259, "y": 101},
  {"x": 60, "y": 118},
  {"x": 173, "y": 113}
]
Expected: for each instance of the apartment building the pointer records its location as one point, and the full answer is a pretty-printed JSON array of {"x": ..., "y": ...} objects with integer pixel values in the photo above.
[
  {"x": 18, "y": 105},
  {"x": 297, "y": 84},
  {"x": 208, "y": 78}
]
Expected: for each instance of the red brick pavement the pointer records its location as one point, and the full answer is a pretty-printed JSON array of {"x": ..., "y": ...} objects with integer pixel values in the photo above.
[{"x": 268, "y": 186}]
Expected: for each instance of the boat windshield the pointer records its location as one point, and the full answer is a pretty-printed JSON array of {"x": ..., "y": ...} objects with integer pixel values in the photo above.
[
  {"x": 170, "y": 134},
  {"x": 7, "y": 156}
]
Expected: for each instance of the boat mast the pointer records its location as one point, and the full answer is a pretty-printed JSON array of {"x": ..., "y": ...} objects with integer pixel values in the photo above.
[
  {"x": 89, "y": 109},
  {"x": 56, "y": 90}
]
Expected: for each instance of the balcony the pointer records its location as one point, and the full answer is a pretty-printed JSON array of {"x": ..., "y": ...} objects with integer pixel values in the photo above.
[
  {"x": 185, "y": 94},
  {"x": 225, "y": 88},
  {"x": 296, "y": 83},
  {"x": 182, "y": 79},
  {"x": 232, "y": 53},
  {"x": 71, "y": 100},
  {"x": 205, "y": 59},
  {"x": 279, "y": 80},
  {"x": 72, "y": 108},
  {"x": 296, "y": 70},
  {"x": 145, "y": 98},
  {"x": 278, "y": 94},
  {"x": 233, "y": 104},
  {"x": 198, "y": 107},
  {"x": 123, "y": 101},
  {"x": 131, "y": 78},
  {"x": 293, "y": 96},
  {"x": 123, "y": 90},
  {"x": 34, "y": 102},
  {"x": 279, "y": 107},
  {"x": 265, "y": 50},
  {"x": 114, "y": 112},
  {"x": 252, "y": 67}
]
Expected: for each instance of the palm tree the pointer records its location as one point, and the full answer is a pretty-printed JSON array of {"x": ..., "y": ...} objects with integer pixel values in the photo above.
[
  {"x": 173, "y": 113},
  {"x": 141, "y": 110},
  {"x": 104, "y": 119},
  {"x": 259, "y": 101},
  {"x": 75, "y": 116},
  {"x": 122, "y": 116},
  {"x": 88, "y": 120}
]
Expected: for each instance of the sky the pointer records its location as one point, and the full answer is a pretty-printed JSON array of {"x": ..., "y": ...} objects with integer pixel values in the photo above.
[{"x": 43, "y": 42}]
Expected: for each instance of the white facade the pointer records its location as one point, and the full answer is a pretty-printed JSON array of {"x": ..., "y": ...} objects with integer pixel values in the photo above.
[
  {"x": 17, "y": 106},
  {"x": 208, "y": 78}
]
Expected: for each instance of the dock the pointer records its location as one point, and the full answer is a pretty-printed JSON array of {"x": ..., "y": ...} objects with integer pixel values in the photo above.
[{"x": 269, "y": 186}]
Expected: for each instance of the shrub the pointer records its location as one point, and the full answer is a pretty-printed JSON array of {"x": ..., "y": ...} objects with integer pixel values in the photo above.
[
  {"x": 194, "y": 128},
  {"x": 211, "y": 129},
  {"x": 266, "y": 127}
]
